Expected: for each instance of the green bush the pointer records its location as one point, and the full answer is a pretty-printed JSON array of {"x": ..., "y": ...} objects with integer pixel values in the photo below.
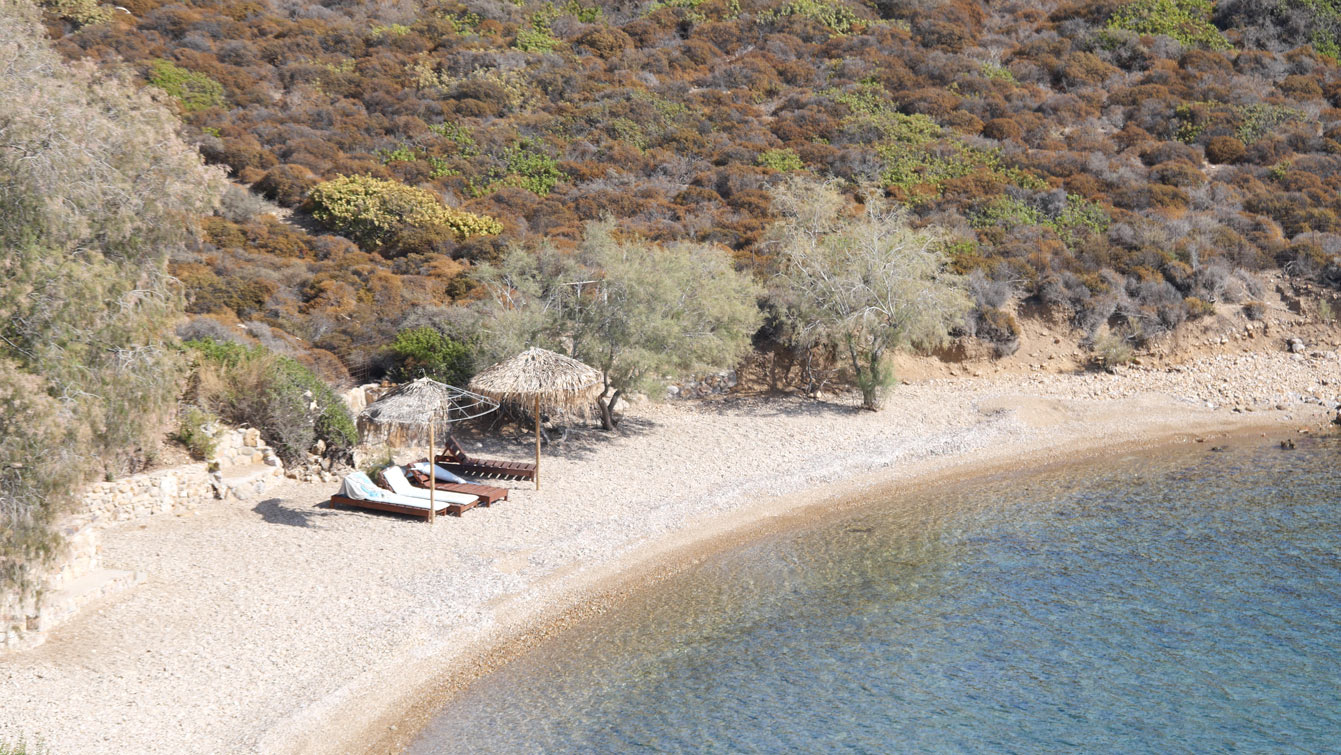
[
  {"x": 781, "y": 160},
  {"x": 537, "y": 170},
  {"x": 193, "y": 89},
  {"x": 1111, "y": 350},
  {"x": 193, "y": 433},
  {"x": 431, "y": 353},
  {"x": 839, "y": 18},
  {"x": 536, "y": 35},
  {"x": 373, "y": 212},
  {"x": 287, "y": 402},
  {"x": 1187, "y": 21}
]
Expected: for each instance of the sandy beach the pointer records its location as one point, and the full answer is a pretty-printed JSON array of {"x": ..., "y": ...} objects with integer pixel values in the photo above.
[{"x": 283, "y": 625}]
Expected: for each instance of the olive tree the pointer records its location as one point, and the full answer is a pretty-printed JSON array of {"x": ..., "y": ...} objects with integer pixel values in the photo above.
[
  {"x": 96, "y": 190},
  {"x": 867, "y": 284},
  {"x": 639, "y": 312}
]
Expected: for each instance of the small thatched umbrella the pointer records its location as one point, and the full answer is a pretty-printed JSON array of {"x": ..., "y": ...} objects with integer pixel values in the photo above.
[
  {"x": 541, "y": 380},
  {"x": 424, "y": 402}
]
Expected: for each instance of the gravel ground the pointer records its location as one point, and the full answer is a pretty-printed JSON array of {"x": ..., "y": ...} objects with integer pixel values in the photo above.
[{"x": 285, "y": 625}]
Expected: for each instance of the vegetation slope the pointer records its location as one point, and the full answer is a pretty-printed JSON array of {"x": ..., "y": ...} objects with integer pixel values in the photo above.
[{"x": 1123, "y": 163}]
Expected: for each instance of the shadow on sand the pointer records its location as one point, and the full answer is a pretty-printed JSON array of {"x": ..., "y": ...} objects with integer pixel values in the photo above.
[{"x": 275, "y": 511}]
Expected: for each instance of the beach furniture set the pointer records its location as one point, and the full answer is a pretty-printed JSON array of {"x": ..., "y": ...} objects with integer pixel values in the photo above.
[{"x": 405, "y": 490}]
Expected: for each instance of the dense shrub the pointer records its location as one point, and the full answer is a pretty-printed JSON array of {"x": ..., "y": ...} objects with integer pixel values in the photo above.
[
  {"x": 289, "y": 404},
  {"x": 194, "y": 90},
  {"x": 1187, "y": 21},
  {"x": 287, "y": 184},
  {"x": 781, "y": 160},
  {"x": 428, "y": 352},
  {"x": 193, "y": 432},
  {"x": 374, "y": 212},
  {"x": 1223, "y": 150}
]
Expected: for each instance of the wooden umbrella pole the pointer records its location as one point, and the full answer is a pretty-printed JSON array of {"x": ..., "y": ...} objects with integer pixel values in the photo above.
[
  {"x": 432, "y": 475},
  {"x": 537, "y": 441}
]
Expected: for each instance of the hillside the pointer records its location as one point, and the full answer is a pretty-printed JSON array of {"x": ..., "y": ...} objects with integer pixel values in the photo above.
[{"x": 1116, "y": 163}]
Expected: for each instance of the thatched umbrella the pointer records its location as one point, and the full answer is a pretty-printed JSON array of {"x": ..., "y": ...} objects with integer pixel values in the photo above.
[
  {"x": 541, "y": 380},
  {"x": 424, "y": 402}
]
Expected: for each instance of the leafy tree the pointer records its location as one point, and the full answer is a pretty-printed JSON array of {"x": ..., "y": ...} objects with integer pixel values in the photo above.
[
  {"x": 867, "y": 285},
  {"x": 637, "y": 311},
  {"x": 96, "y": 191}
]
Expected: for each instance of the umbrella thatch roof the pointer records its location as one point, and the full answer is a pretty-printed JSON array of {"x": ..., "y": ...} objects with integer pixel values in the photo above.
[
  {"x": 421, "y": 401},
  {"x": 562, "y": 384}
]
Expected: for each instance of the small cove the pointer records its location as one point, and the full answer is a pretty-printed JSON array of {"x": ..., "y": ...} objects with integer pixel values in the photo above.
[{"x": 1180, "y": 601}]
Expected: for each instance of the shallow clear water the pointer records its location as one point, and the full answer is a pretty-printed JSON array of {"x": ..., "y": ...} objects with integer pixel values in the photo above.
[{"x": 1188, "y": 602}]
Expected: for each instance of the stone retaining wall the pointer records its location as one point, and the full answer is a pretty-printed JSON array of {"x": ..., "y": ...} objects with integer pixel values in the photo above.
[{"x": 166, "y": 491}]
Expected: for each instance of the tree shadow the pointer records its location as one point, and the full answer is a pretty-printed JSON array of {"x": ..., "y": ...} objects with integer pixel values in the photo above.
[
  {"x": 516, "y": 441},
  {"x": 274, "y": 511},
  {"x": 773, "y": 404}
]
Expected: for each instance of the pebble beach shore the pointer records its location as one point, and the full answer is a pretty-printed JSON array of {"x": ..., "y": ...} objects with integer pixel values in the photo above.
[{"x": 284, "y": 625}]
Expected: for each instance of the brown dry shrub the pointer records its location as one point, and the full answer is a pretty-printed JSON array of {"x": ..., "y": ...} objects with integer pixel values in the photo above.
[
  {"x": 1301, "y": 87},
  {"x": 1003, "y": 129},
  {"x": 1169, "y": 198},
  {"x": 699, "y": 52},
  {"x": 1225, "y": 150},
  {"x": 963, "y": 122},
  {"x": 930, "y": 101},
  {"x": 271, "y": 236},
  {"x": 605, "y": 42},
  {"x": 287, "y": 184},
  {"x": 1177, "y": 173}
]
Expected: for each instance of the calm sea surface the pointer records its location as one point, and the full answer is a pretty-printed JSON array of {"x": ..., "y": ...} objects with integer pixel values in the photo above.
[{"x": 1188, "y": 602}]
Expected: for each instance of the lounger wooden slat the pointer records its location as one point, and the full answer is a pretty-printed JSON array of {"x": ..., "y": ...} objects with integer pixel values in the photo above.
[
  {"x": 488, "y": 494},
  {"x": 454, "y": 509},
  {"x": 454, "y": 458}
]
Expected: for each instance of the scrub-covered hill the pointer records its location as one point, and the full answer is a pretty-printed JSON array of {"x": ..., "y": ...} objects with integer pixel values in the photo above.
[{"x": 1118, "y": 163}]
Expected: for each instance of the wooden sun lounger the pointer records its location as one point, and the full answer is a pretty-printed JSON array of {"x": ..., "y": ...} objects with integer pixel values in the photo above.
[
  {"x": 454, "y": 509},
  {"x": 454, "y": 458},
  {"x": 488, "y": 494}
]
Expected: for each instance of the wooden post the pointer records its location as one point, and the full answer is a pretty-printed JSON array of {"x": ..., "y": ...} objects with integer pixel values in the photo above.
[
  {"x": 432, "y": 474},
  {"x": 537, "y": 441}
]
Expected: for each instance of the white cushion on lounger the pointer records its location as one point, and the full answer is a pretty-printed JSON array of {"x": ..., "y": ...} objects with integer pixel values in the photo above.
[
  {"x": 358, "y": 486},
  {"x": 443, "y": 475},
  {"x": 395, "y": 477}
]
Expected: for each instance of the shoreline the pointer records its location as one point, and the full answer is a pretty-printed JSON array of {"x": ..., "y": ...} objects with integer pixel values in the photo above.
[
  {"x": 654, "y": 562},
  {"x": 287, "y": 626}
]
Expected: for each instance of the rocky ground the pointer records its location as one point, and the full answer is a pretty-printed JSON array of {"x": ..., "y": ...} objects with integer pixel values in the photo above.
[{"x": 285, "y": 625}]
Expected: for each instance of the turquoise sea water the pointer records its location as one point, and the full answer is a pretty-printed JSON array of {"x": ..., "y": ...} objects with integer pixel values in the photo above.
[{"x": 1188, "y": 602}]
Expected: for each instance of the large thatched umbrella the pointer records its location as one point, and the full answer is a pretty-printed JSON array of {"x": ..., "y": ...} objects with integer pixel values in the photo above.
[
  {"x": 425, "y": 402},
  {"x": 542, "y": 381}
]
